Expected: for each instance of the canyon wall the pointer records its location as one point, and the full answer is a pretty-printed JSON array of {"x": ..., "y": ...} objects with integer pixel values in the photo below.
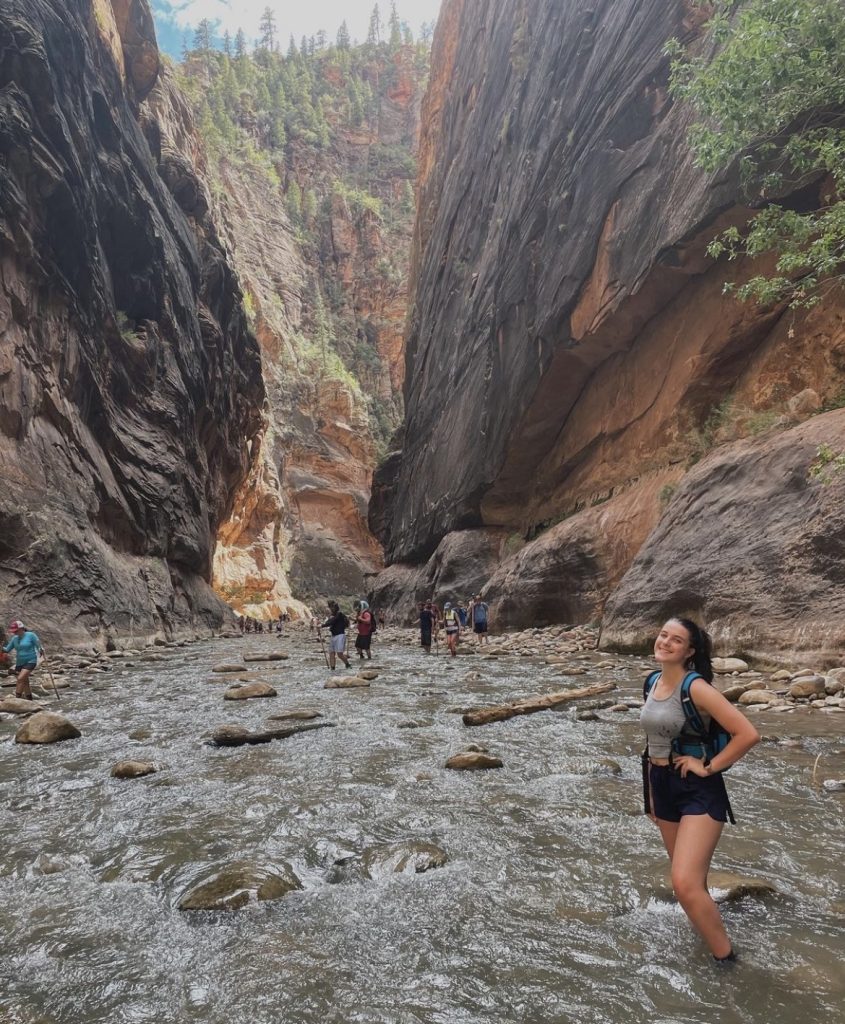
[
  {"x": 574, "y": 368},
  {"x": 130, "y": 385},
  {"x": 318, "y": 224}
]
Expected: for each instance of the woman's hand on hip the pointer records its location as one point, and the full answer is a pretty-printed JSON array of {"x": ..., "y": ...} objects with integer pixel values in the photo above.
[{"x": 694, "y": 765}]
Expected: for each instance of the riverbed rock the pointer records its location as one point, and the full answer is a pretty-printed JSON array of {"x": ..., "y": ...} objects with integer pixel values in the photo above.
[
  {"x": 46, "y": 727},
  {"x": 782, "y": 675},
  {"x": 368, "y": 673},
  {"x": 224, "y": 667},
  {"x": 133, "y": 769},
  {"x": 235, "y": 885},
  {"x": 402, "y": 858},
  {"x": 248, "y": 691},
  {"x": 733, "y": 693},
  {"x": 759, "y": 697},
  {"x": 294, "y": 715},
  {"x": 269, "y": 656},
  {"x": 725, "y": 666},
  {"x": 833, "y": 685},
  {"x": 808, "y": 686},
  {"x": 473, "y": 761},
  {"x": 18, "y": 706},
  {"x": 834, "y": 785},
  {"x": 345, "y": 683},
  {"x": 237, "y": 736},
  {"x": 727, "y": 886}
]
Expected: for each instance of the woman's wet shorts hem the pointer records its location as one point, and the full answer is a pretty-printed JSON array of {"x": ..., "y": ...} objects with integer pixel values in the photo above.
[{"x": 673, "y": 797}]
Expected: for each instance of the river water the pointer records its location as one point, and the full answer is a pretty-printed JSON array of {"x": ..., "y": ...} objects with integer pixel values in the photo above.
[{"x": 551, "y": 908}]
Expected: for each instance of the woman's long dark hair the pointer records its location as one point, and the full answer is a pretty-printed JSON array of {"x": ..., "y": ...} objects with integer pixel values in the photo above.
[{"x": 699, "y": 639}]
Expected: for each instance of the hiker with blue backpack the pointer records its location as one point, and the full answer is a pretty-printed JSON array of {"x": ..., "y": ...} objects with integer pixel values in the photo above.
[{"x": 693, "y": 734}]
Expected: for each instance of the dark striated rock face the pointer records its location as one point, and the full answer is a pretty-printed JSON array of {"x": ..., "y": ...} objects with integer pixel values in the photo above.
[
  {"x": 570, "y": 348},
  {"x": 130, "y": 388},
  {"x": 458, "y": 569}
]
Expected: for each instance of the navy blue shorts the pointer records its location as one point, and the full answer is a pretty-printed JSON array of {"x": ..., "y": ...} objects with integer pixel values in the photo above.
[
  {"x": 480, "y": 627},
  {"x": 672, "y": 797}
]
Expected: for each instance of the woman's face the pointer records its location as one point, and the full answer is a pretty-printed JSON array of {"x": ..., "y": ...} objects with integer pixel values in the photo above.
[{"x": 672, "y": 646}]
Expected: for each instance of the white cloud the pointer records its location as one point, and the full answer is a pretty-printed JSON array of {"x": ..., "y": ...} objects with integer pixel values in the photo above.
[{"x": 291, "y": 19}]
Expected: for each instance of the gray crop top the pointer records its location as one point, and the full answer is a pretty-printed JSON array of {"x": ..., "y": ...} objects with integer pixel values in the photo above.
[{"x": 664, "y": 720}]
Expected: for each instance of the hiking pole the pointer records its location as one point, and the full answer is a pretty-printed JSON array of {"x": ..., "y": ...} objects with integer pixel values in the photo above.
[{"x": 52, "y": 680}]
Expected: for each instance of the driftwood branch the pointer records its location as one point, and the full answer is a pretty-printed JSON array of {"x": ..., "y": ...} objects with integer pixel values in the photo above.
[{"x": 529, "y": 705}]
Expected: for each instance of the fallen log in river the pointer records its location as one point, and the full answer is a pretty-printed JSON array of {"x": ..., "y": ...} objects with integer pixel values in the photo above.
[{"x": 528, "y": 705}]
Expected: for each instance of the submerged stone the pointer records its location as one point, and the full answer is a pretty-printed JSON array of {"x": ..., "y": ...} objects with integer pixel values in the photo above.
[
  {"x": 235, "y": 885},
  {"x": 133, "y": 769}
]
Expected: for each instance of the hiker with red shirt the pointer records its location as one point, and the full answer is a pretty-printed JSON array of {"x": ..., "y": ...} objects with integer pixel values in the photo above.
[{"x": 366, "y": 627}]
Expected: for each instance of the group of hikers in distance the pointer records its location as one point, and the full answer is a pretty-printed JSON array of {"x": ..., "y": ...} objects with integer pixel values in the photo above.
[
  {"x": 453, "y": 619},
  {"x": 337, "y": 624}
]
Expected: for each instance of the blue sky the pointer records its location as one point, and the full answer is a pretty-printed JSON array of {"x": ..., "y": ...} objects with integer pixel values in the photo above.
[{"x": 175, "y": 17}]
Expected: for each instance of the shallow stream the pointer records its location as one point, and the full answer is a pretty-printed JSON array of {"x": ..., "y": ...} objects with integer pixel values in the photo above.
[{"x": 551, "y": 908}]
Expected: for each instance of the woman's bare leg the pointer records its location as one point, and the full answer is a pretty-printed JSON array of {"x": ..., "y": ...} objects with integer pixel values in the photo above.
[{"x": 692, "y": 850}]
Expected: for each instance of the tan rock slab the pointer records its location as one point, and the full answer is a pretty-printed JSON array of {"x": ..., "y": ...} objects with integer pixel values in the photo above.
[
  {"x": 249, "y": 691},
  {"x": 809, "y": 686},
  {"x": 759, "y": 697},
  {"x": 226, "y": 667},
  {"x": 19, "y": 706},
  {"x": 345, "y": 683},
  {"x": 724, "y": 666},
  {"x": 46, "y": 727},
  {"x": 473, "y": 761}
]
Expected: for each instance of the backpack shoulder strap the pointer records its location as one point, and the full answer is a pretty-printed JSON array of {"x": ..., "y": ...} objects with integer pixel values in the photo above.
[
  {"x": 648, "y": 685},
  {"x": 694, "y": 720}
]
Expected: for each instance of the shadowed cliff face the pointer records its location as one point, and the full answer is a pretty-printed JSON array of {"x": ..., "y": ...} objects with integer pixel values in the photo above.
[
  {"x": 570, "y": 350},
  {"x": 130, "y": 388}
]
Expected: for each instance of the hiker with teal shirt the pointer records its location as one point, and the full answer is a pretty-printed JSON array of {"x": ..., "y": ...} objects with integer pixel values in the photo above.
[
  {"x": 693, "y": 734},
  {"x": 27, "y": 647}
]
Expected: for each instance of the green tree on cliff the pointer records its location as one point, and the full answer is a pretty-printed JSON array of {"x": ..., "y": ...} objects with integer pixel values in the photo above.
[
  {"x": 267, "y": 30},
  {"x": 773, "y": 96}
]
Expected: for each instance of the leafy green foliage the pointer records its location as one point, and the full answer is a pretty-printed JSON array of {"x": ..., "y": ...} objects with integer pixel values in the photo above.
[
  {"x": 773, "y": 95},
  {"x": 827, "y": 464},
  {"x": 307, "y": 123}
]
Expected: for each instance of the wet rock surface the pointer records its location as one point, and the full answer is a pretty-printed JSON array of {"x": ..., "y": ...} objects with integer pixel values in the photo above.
[
  {"x": 135, "y": 384},
  {"x": 133, "y": 769},
  {"x": 46, "y": 727},
  {"x": 542, "y": 374},
  {"x": 234, "y": 886}
]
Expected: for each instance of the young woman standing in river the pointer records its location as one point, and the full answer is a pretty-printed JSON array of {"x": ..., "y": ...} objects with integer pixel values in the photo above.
[{"x": 687, "y": 794}]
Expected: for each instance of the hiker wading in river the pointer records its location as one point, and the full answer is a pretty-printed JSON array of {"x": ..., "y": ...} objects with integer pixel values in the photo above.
[
  {"x": 337, "y": 624},
  {"x": 693, "y": 734},
  {"x": 366, "y": 627},
  {"x": 27, "y": 648},
  {"x": 452, "y": 625}
]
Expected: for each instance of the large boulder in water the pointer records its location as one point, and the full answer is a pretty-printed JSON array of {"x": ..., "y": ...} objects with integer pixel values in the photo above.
[
  {"x": 46, "y": 727},
  {"x": 235, "y": 885}
]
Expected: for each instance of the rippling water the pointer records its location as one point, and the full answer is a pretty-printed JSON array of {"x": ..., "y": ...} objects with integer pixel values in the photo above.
[{"x": 551, "y": 908}]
